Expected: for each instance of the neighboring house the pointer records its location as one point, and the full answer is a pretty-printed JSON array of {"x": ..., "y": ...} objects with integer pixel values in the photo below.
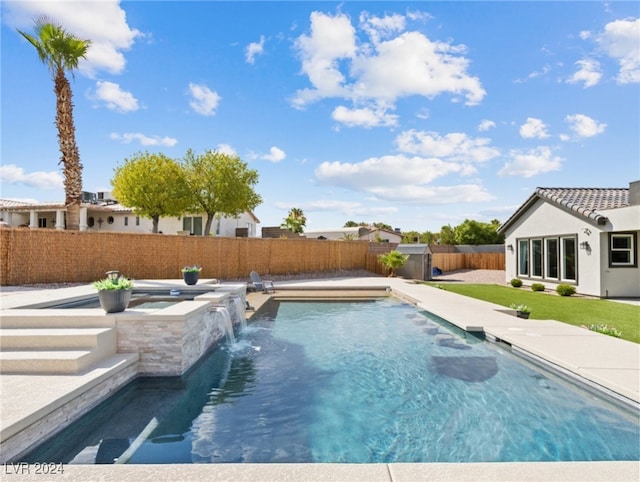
[
  {"x": 100, "y": 212},
  {"x": 586, "y": 237},
  {"x": 360, "y": 233}
]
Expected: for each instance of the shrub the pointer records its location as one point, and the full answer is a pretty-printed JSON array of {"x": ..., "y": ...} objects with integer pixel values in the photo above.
[
  {"x": 516, "y": 283},
  {"x": 606, "y": 330},
  {"x": 566, "y": 290},
  {"x": 521, "y": 308},
  {"x": 537, "y": 287}
]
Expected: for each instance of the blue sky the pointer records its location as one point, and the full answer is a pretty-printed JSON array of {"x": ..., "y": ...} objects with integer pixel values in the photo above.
[{"x": 415, "y": 114}]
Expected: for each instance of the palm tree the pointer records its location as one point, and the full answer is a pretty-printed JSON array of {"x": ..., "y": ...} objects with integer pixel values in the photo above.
[
  {"x": 60, "y": 52},
  {"x": 295, "y": 221},
  {"x": 393, "y": 260}
]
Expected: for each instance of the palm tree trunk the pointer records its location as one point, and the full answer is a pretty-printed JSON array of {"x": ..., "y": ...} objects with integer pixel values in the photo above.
[{"x": 70, "y": 159}]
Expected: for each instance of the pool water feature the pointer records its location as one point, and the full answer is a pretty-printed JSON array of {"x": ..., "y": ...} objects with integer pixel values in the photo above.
[
  {"x": 352, "y": 382},
  {"x": 139, "y": 299}
]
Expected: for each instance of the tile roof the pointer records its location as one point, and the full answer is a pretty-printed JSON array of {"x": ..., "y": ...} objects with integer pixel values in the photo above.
[
  {"x": 586, "y": 202},
  {"x": 586, "y": 199}
]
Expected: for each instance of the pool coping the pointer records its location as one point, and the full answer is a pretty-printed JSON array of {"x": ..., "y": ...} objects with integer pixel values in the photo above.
[{"x": 455, "y": 309}]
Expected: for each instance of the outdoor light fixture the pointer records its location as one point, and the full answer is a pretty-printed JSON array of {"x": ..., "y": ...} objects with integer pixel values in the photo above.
[
  {"x": 510, "y": 248},
  {"x": 113, "y": 275},
  {"x": 585, "y": 245}
]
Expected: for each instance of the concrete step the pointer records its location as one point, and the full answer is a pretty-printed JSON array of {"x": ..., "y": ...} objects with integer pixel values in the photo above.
[
  {"x": 79, "y": 318},
  {"x": 48, "y": 361},
  {"x": 56, "y": 338}
]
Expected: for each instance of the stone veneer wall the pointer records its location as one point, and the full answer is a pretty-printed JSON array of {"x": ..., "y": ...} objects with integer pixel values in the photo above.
[
  {"x": 169, "y": 346},
  {"x": 27, "y": 439}
]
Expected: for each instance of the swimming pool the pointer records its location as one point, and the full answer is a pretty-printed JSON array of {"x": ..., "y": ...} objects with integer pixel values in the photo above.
[{"x": 351, "y": 382}]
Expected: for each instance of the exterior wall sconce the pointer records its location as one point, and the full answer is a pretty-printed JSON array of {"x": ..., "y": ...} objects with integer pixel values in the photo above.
[
  {"x": 510, "y": 248},
  {"x": 585, "y": 245}
]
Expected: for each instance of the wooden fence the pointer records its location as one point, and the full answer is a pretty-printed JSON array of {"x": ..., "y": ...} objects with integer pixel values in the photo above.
[
  {"x": 50, "y": 256},
  {"x": 29, "y": 256},
  {"x": 455, "y": 261}
]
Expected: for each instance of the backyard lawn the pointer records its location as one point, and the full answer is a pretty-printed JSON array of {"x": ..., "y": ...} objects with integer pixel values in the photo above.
[{"x": 549, "y": 306}]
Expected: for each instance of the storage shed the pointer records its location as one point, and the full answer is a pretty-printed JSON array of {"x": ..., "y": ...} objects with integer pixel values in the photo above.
[{"x": 418, "y": 266}]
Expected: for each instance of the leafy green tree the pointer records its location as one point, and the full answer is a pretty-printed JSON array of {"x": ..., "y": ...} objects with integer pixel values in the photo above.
[
  {"x": 393, "y": 260},
  {"x": 295, "y": 221},
  {"x": 61, "y": 51},
  {"x": 382, "y": 226},
  {"x": 411, "y": 237},
  {"x": 220, "y": 184},
  {"x": 154, "y": 185},
  {"x": 476, "y": 232},
  {"x": 350, "y": 224},
  {"x": 447, "y": 235}
]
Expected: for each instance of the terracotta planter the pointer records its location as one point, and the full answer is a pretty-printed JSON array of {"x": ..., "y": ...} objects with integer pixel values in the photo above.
[{"x": 114, "y": 301}]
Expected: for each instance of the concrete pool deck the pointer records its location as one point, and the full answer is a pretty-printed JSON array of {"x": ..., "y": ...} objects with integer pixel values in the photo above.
[{"x": 601, "y": 360}]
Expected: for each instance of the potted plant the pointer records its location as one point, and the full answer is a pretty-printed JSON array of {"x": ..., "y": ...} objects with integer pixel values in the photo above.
[
  {"x": 114, "y": 292},
  {"x": 522, "y": 311},
  {"x": 191, "y": 274}
]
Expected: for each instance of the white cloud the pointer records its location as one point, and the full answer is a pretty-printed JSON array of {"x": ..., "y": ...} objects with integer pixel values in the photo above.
[
  {"x": 115, "y": 98},
  {"x": 397, "y": 171},
  {"x": 485, "y": 125},
  {"x": 365, "y": 117},
  {"x": 103, "y": 22},
  {"x": 455, "y": 146},
  {"x": 129, "y": 137},
  {"x": 621, "y": 41},
  {"x": 394, "y": 64},
  {"x": 227, "y": 149},
  {"x": 533, "y": 129},
  {"x": 584, "y": 126},
  {"x": 381, "y": 27},
  {"x": 253, "y": 49},
  {"x": 203, "y": 100},
  {"x": 12, "y": 174},
  {"x": 530, "y": 163},
  {"x": 589, "y": 73},
  {"x": 275, "y": 155},
  {"x": 434, "y": 195}
]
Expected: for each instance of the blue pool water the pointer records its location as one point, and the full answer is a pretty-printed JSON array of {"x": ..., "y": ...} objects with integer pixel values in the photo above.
[{"x": 351, "y": 382}]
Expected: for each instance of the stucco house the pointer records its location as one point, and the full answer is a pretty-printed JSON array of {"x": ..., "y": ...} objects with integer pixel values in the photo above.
[
  {"x": 360, "y": 233},
  {"x": 100, "y": 212},
  {"x": 586, "y": 237}
]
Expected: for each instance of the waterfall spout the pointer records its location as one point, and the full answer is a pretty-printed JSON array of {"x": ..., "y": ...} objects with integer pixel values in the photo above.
[
  {"x": 240, "y": 311},
  {"x": 227, "y": 326}
]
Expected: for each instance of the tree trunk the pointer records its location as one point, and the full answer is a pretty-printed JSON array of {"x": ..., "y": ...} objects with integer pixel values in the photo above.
[
  {"x": 155, "y": 218},
  {"x": 70, "y": 159},
  {"x": 207, "y": 226}
]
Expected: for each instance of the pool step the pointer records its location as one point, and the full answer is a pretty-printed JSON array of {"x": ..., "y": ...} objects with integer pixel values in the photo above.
[
  {"x": 54, "y": 350},
  {"x": 55, "y": 338},
  {"x": 48, "y": 362},
  {"x": 77, "y": 318}
]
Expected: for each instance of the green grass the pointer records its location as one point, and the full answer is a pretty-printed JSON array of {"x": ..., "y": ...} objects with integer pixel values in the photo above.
[{"x": 545, "y": 306}]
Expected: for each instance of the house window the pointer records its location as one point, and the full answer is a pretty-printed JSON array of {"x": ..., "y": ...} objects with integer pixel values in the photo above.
[
  {"x": 551, "y": 258},
  {"x": 523, "y": 257},
  {"x": 568, "y": 256},
  {"x": 110, "y": 220},
  {"x": 126, "y": 220},
  {"x": 42, "y": 222},
  {"x": 622, "y": 250},
  {"x": 137, "y": 220},
  {"x": 536, "y": 257},
  {"x": 193, "y": 225},
  {"x": 91, "y": 221}
]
